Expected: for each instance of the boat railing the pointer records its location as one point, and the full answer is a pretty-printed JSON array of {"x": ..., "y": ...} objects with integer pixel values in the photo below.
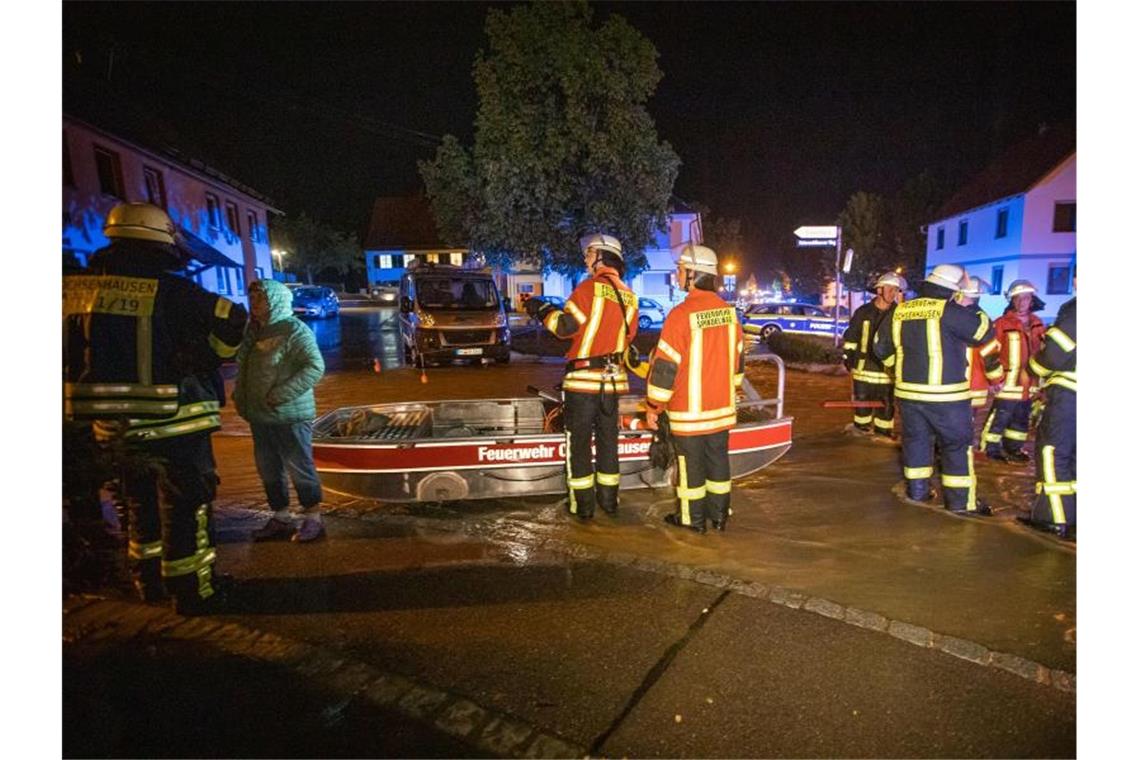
[{"x": 753, "y": 398}]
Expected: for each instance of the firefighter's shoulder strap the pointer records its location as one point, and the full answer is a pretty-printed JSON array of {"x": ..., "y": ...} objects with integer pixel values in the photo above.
[{"x": 630, "y": 357}]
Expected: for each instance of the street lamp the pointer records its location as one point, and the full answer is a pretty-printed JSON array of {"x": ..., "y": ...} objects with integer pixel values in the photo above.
[
  {"x": 729, "y": 267},
  {"x": 279, "y": 254}
]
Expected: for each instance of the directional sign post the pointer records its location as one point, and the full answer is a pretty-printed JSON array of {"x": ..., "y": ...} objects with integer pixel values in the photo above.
[{"x": 821, "y": 236}]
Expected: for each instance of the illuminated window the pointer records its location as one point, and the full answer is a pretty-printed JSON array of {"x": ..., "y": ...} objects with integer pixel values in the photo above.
[
  {"x": 239, "y": 275},
  {"x": 963, "y": 231},
  {"x": 433, "y": 258},
  {"x": 384, "y": 261},
  {"x": 1002, "y": 223},
  {"x": 1065, "y": 217},
  {"x": 232, "y": 218},
  {"x": 110, "y": 171},
  {"x": 996, "y": 276},
  {"x": 941, "y": 238},
  {"x": 68, "y": 177},
  {"x": 457, "y": 259},
  {"x": 223, "y": 280},
  {"x": 1060, "y": 279},
  {"x": 213, "y": 211},
  {"x": 155, "y": 187}
]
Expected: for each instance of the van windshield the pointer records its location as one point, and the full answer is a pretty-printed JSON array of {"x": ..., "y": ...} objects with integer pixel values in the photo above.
[{"x": 456, "y": 293}]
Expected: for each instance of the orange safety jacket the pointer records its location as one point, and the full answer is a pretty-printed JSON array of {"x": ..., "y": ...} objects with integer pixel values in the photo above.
[
  {"x": 595, "y": 318},
  {"x": 1018, "y": 343},
  {"x": 977, "y": 360},
  {"x": 697, "y": 365}
]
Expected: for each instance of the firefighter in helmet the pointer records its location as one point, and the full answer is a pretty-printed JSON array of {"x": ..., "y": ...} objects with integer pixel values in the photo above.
[
  {"x": 1019, "y": 331},
  {"x": 869, "y": 379},
  {"x": 1055, "y": 507},
  {"x": 925, "y": 342},
  {"x": 696, "y": 368},
  {"x": 142, "y": 347},
  {"x": 600, "y": 320},
  {"x": 980, "y": 358}
]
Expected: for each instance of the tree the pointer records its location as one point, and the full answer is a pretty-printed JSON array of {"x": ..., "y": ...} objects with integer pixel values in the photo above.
[
  {"x": 866, "y": 229},
  {"x": 912, "y": 208},
  {"x": 563, "y": 142},
  {"x": 314, "y": 247}
]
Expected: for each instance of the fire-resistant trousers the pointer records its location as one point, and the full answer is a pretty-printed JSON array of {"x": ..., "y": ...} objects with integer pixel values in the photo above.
[
  {"x": 1007, "y": 427},
  {"x": 593, "y": 416},
  {"x": 1056, "y": 501},
  {"x": 170, "y": 485},
  {"x": 883, "y": 419},
  {"x": 949, "y": 424},
  {"x": 704, "y": 477}
]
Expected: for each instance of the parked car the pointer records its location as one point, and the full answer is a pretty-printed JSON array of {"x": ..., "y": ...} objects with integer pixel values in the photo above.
[
  {"x": 385, "y": 295},
  {"x": 767, "y": 319},
  {"x": 650, "y": 313},
  {"x": 448, "y": 313},
  {"x": 315, "y": 301}
]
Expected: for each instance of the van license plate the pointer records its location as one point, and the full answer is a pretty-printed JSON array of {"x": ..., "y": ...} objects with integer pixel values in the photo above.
[{"x": 468, "y": 351}]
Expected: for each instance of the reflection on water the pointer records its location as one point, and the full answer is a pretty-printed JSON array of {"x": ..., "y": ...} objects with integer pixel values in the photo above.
[{"x": 356, "y": 337}]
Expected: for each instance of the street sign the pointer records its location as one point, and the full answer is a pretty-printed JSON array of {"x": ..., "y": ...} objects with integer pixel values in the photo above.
[
  {"x": 847, "y": 260},
  {"x": 817, "y": 231},
  {"x": 818, "y": 243}
]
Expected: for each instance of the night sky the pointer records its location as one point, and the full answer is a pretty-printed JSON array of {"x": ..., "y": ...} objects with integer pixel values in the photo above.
[{"x": 779, "y": 112}]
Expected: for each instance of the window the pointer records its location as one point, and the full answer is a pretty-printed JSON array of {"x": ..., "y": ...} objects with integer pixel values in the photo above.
[
  {"x": 384, "y": 261},
  {"x": 223, "y": 280},
  {"x": 1064, "y": 217},
  {"x": 254, "y": 228},
  {"x": 457, "y": 259},
  {"x": 996, "y": 276},
  {"x": 398, "y": 260},
  {"x": 433, "y": 258},
  {"x": 155, "y": 187},
  {"x": 213, "y": 211},
  {"x": 1002, "y": 223},
  {"x": 260, "y": 273},
  {"x": 232, "y": 218},
  {"x": 941, "y": 238},
  {"x": 1060, "y": 277},
  {"x": 110, "y": 172},
  {"x": 811, "y": 311},
  {"x": 68, "y": 177},
  {"x": 963, "y": 232},
  {"x": 239, "y": 275}
]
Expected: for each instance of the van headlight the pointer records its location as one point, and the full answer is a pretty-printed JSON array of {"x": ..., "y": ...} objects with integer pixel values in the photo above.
[
  {"x": 426, "y": 320},
  {"x": 500, "y": 320}
]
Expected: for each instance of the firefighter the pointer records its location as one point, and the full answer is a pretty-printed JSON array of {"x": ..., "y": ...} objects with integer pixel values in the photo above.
[
  {"x": 696, "y": 368},
  {"x": 925, "y": 342},
  {"x": 974, "y": 288},
  {"x": 1019, "y": 331},
  {"x": 142, "y": 348},
  {"x": 869, "y": 379},
  {"x": 600, "y": 319},
  {"x": 1055, "y": 507}
]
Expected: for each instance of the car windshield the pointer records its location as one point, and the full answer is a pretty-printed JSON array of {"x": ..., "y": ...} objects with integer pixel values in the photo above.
[
  {"x": 308, "y": 294},
  {"x": 456, "y": 293}
]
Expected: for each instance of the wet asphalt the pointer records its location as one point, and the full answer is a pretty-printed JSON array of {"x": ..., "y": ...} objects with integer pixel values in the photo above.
[{"x": 613, "y": 659}]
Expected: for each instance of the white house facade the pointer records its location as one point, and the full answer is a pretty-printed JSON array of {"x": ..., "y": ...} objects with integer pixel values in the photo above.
[{"x": 1025, "y": 229}]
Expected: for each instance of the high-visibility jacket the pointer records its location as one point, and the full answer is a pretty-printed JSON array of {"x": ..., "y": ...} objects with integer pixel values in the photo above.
[
  {"x": 697, "y": 365},
  {"x": 600, "y": 319},
  {"x": 925, "y": 343},
  {"x": 142, "y": 346},
  {"x": 978, "y": 359},
  {"x": 858, "y": 338},
  {"x": 1018, "y": 343},
  {"x": 1056, "y": 362}
]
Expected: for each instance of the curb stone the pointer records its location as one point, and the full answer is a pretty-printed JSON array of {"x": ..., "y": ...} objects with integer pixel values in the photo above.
[{"x": 346, "y": 678}]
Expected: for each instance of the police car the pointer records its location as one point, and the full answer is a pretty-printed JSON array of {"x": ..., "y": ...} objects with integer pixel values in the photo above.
[{"x": 766, "y": 319}]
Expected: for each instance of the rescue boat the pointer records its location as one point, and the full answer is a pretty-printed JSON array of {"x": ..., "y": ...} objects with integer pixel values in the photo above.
[{"x": 433, "y": 451}]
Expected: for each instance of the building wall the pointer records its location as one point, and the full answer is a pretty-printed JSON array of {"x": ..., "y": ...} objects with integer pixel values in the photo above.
[
  {"x": 1028, "y": 251},
  {"x": 85, "y": 207},
  {"x": 397, "y": 259}
]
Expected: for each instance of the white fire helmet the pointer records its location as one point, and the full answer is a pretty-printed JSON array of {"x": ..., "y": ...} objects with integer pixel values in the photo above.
[
  {"x": 601, "y": 242},
  {"x": 976, "y": 288},
  {"x": 1017, "y": 287},
  {"x": 139, "y": 221},
  {"x": 948, "y": 276},
  {"x": 890, "y": 279},
  {"x": 698, "y": 258}
]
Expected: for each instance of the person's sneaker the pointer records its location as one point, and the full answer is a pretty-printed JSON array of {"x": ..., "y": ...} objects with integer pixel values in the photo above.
[
  {"x": 274, "y": 530},
  {"x": 312, "y": 529},
  {"x": 674, "y": 519}
]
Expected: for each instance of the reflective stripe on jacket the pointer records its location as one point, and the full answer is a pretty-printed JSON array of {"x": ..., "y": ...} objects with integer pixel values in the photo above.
[
  {"x": 1018, "y": 343},
  {"x": 594, "y": 319},
  {"x": 858, "y": 340},
  {"x": 697, "y": 365},
  {"x": 1056, "y": 362}
]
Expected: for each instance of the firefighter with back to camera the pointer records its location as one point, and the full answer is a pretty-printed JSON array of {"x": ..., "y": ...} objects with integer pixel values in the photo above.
[{"x": 142, "y": 348}]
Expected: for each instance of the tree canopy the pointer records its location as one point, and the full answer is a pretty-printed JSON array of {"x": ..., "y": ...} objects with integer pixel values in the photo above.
[
  {"x": 314, "y": 247},
  {"x": 564, "y": 144}
]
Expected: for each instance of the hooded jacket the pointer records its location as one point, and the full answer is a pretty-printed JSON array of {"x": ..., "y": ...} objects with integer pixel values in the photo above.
[{"x": 278, "y": 364}]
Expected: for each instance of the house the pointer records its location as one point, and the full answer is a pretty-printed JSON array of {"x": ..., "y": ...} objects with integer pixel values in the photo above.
[
  {"x": 1016, "y": 220},
  {"x": 223, "y": 221}
]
